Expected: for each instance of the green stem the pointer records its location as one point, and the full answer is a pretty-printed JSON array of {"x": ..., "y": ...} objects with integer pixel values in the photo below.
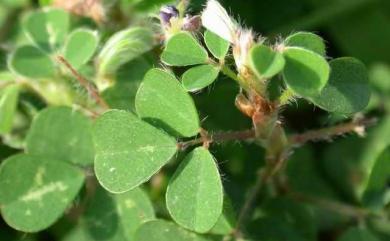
[
  {"x": 229, "y": 72},
  {"x": 84, "y": 83}
]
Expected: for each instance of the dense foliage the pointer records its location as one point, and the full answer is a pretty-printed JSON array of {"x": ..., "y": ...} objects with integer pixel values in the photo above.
[{"x": 159, "y": 120}]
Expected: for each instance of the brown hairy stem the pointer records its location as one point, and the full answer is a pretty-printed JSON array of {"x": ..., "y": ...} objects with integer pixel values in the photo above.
[
  {"x": 92, "y": 91},
  {"x": 219, "y": 137},
  {"x": 278, "y": 160},
  {"x": 328, "y": 133}
]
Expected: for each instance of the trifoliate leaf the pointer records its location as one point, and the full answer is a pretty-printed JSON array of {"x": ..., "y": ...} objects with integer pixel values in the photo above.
[
  {"x": 265, "y": 62},
  {"x": 306, "y": 40},
  {"x": 162, "y": 101},
  {"x": 347, "y": 90},
  {"x": 80, "y": 47},
  {"x": 31, "y": 62},
  {"x": 199, "y": 77},
  {"x": 8, "y": 103},
  {"x": 61, "y": 134},
  {"x": 218, "y": 46},
  {"x": 35, "y": 191},
  {"x": 123, "y": 47},
  {"x": 128, "y": 150},
  {"x": 47, "y": 28},
  {"x": 161, "y": 230},
  {"x": 305, "y": 72},
  {"x": 183, "y": 49},
  {"x": 194, "y": 195}
]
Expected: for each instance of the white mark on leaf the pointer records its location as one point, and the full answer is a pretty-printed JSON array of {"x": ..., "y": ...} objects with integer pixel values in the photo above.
[
  {"x": 147, "y": 148},
  {"x": 37, "y": 194},
  {"x": 39, "y": 176},
  {"x": 28, "y": 212},
  {"x": 129, "y": 203}
]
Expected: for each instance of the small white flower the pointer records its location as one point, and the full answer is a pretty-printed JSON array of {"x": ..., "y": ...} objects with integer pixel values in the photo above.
[
  {"x": 217, "y": 20},
  {"x": 242, "y": 47}
]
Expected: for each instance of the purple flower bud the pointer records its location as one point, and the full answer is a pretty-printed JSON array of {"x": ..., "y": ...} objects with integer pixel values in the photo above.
[{"x": 168, "y": 12}]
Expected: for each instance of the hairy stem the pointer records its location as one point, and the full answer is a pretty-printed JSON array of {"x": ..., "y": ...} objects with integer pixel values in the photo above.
[
  {"x": 286, "y": 97},
  {"x": 92, "y": 91},
  {"x": 246, "y": 210},
  {"x": 229, "y": 73},
  {"x": 219, "y": 137},
  {"x": 276, "y": 160},
  {"x": 328, "y": 133}
]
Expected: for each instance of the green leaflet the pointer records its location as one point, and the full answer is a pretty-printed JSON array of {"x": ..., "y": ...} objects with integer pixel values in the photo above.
[
  {"x": 218, "y": 46},
  {"x": 121, "y": 95},
  {"x": 111, "y": 217},
  {"x": 194, "y": 196},
  {"x": 284, "y": 219},
  {"x": 183, "y": 49},
  {"x": 128, "y": 150},
  {"x": 379, "y": 75},
  {"x": 47, "y": 28},
  {"x": 359, "y": 159},
  {"x": 36, "y": 190},
  {"x": 123, "y": 47},
  {"x": 307, "y": 40},
  {"x": 31, "y": 62},
  {"x": 305, "y": 72},
  {"x": 161, "y": 230},
  {"x": 134, "y": 208},
  {"x": 163, "y": 102},
  {"x": 199, "y": 77},
  {"x": 226, "y": 221},
  {"x": 121, "y": 214},
  {"x": 347, "y": 90},
  {"x": 357, "y": 234},
  {"x": 377, "y": 185},
  {"x": 265, "y": 62},
  {"x": 62, "y": 134},
  {"x": 8, "y": 103},
  {"x": 80, "y": 47},
  {"x": 293, "y": 213}
]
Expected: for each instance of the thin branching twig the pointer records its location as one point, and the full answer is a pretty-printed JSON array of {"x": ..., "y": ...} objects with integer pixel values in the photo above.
[{"x": 92, "y": 91}]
